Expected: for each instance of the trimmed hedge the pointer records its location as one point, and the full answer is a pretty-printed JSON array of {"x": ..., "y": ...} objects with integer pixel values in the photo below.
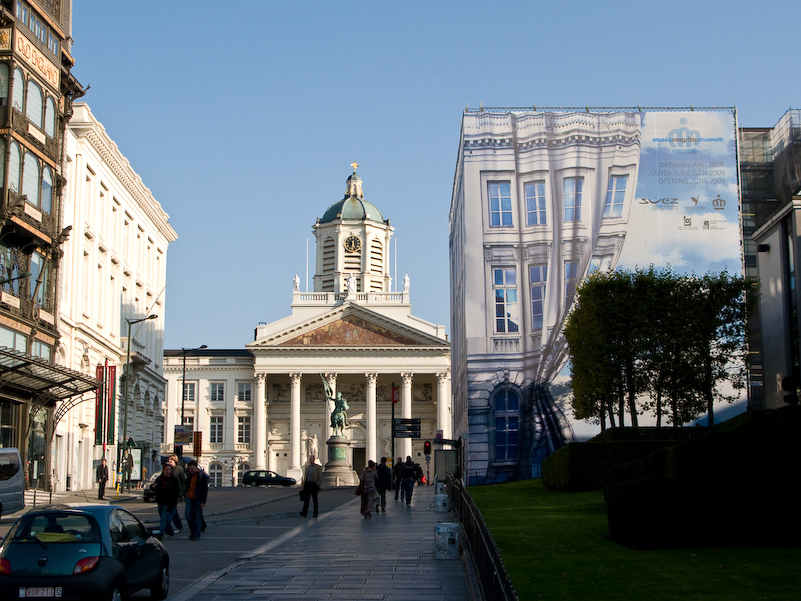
[
  {"x": 581, "y": 466},
  {"x": 736, "y": 485}
]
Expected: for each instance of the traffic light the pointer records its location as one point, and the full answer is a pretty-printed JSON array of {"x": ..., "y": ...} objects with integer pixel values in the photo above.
[
  {"x": 427, "y": 447},
  {"x": 179, "y": 450}
]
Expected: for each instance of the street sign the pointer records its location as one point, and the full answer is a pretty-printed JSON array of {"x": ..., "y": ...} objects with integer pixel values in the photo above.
[
  {"x": 406, "y": 428},
  {"x": 182, "y": 435}
]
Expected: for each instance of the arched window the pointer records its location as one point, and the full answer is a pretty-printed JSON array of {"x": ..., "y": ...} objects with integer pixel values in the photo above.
[
  {"x": 19, "y": 90},
  {"x": 38, "y": 263},
  {"x": 30, "y": 178},
  {"x": 33, "y": 106},
  {"x": 47, "y": 190},
  {"x": 507, "y": 425},
  {"x": 2, "y": 162},
  {"x": 13, "y": 167},
  {"x": 50, "y": 117},
  {"x": 3, "y": 84},
  {"x": 215, "y": 474}
]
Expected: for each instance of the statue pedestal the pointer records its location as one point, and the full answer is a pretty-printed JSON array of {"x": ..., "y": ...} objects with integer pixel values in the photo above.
[{"x": 338, "y": 471}]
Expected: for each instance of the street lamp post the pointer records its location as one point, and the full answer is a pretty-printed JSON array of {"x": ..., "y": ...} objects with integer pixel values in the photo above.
[
  {"x": 124, "y": 440},
  {"x": 183, "y": 377}
]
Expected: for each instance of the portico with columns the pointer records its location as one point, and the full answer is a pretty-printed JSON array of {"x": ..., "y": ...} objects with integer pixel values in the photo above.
[{"x": 356, "y": 333}]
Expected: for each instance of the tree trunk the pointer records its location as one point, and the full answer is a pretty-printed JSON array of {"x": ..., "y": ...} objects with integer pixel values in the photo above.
[
  {"x": 709, "y": 394},
  {"x": 658, "y": 408},
  {"x": 602, "y": 413}
]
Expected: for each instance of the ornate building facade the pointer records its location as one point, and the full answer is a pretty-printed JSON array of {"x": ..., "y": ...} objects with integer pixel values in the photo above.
[
  {"x": 36, "y": 103},
  {"x": 265, "y": 406},
  {"x": 114, "y": 269}
]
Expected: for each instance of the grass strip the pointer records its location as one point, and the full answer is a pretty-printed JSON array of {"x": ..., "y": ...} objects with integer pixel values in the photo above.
[{"x": 556, "y": 546}]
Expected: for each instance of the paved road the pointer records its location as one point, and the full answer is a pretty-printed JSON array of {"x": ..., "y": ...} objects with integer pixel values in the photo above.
[
  {"x": 248, "y": 526},
  {"x": 239, "y": 520}
]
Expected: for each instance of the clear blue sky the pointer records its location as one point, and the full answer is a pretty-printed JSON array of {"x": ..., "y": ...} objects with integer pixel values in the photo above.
[{"x": 243, "y": 117}]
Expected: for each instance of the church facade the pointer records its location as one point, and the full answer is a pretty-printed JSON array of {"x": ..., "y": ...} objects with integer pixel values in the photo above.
[{"x": 268, "y": 405}]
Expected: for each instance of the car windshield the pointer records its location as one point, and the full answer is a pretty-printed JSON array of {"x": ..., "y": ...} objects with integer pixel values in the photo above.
[{"x": 56, "y": 527}]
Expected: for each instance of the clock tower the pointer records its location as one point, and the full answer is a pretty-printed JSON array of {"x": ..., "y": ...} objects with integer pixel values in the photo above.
[{"x": 353, "y": 242}]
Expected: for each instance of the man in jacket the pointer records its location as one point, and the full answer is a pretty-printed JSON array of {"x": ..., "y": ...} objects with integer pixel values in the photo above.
[
  {"x": 397, "y": 471},
  {"x": 180, "y": 475},
  {"x": 102, "y": 478},
  {"x": 409, "y": 474},
  {"x": 383, "y": 484},
  {"x": 166, "y": 491},
  {"x": 197, "y": 490},
  {"x": 311, "y": 482}
]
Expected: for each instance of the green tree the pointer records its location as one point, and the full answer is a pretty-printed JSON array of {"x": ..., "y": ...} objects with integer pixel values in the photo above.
[
  {"x": 603, "y": 347},
  {"x": 718, "y": 349},
  {"x": 654, "y": 340}
]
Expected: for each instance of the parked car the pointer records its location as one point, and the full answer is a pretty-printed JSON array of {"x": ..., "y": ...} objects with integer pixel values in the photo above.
[
  {"x": 147, "y": 494},
  {"x": 82, "y": 552},
  {"x": 12, "y": 482},
  {"x": 266, "y": 478}
]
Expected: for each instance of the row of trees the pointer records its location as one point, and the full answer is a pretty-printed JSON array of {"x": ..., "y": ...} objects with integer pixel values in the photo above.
[{"x": 649, "y": 340}]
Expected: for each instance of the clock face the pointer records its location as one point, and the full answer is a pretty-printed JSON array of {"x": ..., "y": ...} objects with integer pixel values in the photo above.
[{"x": 353, "y": 244}]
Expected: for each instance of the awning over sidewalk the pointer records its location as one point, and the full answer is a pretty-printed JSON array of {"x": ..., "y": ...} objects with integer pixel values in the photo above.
[{"x": 24, "y": 376}]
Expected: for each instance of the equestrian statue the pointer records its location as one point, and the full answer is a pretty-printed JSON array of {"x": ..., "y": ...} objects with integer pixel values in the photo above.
[{"x": 339, "y": 416}]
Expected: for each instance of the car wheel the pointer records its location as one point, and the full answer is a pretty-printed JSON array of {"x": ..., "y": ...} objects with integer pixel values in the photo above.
[
  {"x": 161, "y": 586},
  {"x": 116, "y": 594},
  {"x": 253, "y": 484}
]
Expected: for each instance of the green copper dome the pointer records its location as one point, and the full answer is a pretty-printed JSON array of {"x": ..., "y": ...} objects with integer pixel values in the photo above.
[{"x": 353, "y": 207}]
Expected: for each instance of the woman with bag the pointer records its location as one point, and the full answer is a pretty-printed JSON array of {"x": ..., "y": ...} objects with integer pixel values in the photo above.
[{"x": 368, "y": 486}]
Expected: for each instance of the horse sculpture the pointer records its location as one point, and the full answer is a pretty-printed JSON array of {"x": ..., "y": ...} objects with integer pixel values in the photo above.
[{"x": 339, "y": 416}]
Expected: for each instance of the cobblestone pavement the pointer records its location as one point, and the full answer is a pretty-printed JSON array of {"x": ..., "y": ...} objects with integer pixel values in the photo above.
[{"x": 342, "y": 556}]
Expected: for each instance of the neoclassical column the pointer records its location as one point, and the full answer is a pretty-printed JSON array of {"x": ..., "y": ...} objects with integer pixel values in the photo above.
[
  {"x": 444, "y": 403},
  {"x": 331, "y": 379},
  {"x": 260, "y": 423},
  {"x": 372, "y": 430},
  {"x": 406, "y": 410},
  {"x": 295, "y": 462}
]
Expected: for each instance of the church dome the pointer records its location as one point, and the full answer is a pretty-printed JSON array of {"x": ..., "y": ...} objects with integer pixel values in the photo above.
[{"x": 353, "y": 207}]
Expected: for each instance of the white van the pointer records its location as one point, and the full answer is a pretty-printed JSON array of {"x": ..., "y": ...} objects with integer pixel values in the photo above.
[{"x": 12, "y": 482}]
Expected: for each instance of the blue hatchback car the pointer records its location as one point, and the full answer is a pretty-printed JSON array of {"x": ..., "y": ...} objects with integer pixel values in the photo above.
[{"x": 82, "y": 552}]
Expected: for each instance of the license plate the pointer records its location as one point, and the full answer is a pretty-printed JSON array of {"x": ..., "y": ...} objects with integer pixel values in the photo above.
[{"x": 40, "y": 592}]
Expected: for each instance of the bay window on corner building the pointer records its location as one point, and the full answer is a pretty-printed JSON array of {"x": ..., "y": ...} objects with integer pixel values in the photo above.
[{"x": 36, "y": 94}]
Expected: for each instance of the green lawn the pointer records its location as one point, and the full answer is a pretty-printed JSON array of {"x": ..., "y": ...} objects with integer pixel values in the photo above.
[{"x": 556, "y": 546}]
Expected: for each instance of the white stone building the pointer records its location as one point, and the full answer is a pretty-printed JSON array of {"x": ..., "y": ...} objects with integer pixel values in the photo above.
[
  {"x": 113, "y": 270},
  {"x": 540, "y": 199},
  {"x": 265, "y": 406}
]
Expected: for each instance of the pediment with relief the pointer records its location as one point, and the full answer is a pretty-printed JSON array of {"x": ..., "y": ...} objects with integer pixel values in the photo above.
[{"x": 350, "y": 330}]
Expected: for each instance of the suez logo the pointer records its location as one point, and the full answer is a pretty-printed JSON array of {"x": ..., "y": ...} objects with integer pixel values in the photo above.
[{"x": 718, "y": 203}]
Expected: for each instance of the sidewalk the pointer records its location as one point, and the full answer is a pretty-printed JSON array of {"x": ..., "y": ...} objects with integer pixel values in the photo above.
[{"x": 342, "y": 556}]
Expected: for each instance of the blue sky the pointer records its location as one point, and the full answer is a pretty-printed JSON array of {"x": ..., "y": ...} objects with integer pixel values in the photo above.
[{"x": 243, "y": 117}]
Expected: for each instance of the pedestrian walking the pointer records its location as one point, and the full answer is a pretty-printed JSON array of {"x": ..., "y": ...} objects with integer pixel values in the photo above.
[
  {"x": 409, "y": 473},
  {"x": 180, "y": 475},
  {"x": 383, "y": 484},
  {"x": 368, "y": 485},
  {"x": 197, "y": 490},
  {"x": 102, "y": 477},
  {"x": 311, "y": 483},
  {"x": 397, "y": 471},
  {"x": 166, "y": 492}
]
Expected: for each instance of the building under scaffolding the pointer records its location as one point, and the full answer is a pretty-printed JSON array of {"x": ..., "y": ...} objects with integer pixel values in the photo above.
[{"x": 543, "y": 197}]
